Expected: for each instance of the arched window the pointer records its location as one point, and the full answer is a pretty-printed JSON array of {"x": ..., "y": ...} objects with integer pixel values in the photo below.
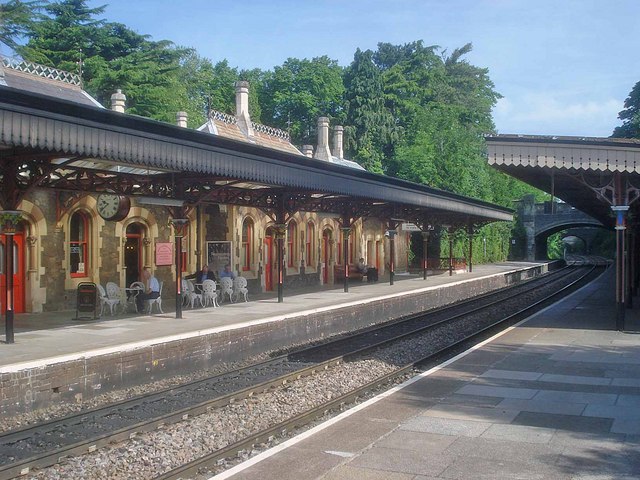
[
  {"x": 291, "y": 243},
  {"x": 247, "y": 242},
  {"x": 310, "y": 239},
  {"x": 78, "y": 245}
]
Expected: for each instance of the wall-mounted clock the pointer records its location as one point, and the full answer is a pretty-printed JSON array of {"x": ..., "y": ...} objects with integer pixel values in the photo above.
[{"x": 113, "y": 207}]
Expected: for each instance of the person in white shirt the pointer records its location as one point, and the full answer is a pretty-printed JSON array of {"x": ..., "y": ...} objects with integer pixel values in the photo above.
[{"x": 151, "y": 289}]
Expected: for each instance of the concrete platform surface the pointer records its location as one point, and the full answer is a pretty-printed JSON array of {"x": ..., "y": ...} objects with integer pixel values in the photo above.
[
  {"x": 42, "y": 338},
  {"x": 556, "y": 397}
]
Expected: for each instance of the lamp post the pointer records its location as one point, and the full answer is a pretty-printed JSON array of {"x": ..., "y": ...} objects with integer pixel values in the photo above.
[
  {"x": 621, "y": 212},
  {"x": 346, "y": 231},
  {"x": 280, "y": 230},
  {"x": 425, "y": 257},
  {"x": 391, "y": 233},
  {"x": 179, "y": 226}
]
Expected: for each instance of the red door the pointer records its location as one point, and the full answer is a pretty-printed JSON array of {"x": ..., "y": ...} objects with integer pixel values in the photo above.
[
  {"x": 18, "y": 273},
  {"x": 268, "y": 261}
]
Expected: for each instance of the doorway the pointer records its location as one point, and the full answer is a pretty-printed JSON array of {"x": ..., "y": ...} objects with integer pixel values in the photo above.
[
  {"x": 133, "y": 252},
  {"x": 18, "y": 273}
]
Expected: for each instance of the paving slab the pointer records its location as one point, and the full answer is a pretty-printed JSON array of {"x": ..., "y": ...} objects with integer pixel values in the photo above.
[
  {"x": 403, "y": 461},
  {"x": 576, "y": 423}
]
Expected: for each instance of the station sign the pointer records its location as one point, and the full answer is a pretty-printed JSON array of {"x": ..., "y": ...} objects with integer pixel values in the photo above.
[{"x": 410, "y": 227}]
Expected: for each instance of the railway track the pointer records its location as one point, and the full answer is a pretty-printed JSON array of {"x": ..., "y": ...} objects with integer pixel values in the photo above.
[{"x": 46, "y": 444}]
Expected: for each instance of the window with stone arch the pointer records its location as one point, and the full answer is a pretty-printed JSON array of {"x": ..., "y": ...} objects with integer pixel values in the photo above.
[
  {"x": 247, "y": 243},
  {"x": 310, "y": 239},
  {"x": 79, "y": 229},
  {"x": 292, "y": 230}
]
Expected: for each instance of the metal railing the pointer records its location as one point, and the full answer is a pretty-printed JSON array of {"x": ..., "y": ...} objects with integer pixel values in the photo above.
[{"x": 41, "y": 70}]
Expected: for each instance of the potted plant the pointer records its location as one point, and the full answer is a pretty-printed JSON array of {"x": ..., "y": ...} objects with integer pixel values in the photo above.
[{"x": 9, "y": 220}]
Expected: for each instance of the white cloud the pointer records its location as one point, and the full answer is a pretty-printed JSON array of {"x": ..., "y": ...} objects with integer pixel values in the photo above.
[{"x": 556, "y": 114}]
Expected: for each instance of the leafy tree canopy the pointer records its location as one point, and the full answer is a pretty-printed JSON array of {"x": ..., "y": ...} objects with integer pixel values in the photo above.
[
  {"x": 630, "y": 116},
  {"x": 16, "y": 20},
  {"x": 296, "y": 93}
]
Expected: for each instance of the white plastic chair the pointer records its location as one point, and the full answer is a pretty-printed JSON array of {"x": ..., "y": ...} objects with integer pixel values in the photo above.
[
  {"x": 185, "y": 293},
  {"x": 131, "y": 300},
  {"x": 209, "y": 295},
  {"x": 240, "y": 288},
  {"x": 226, "y": 288},
  {"x": 189, "y": 294},
  {"x": 105, "y": 300},
  {"x": 156, "y": 301},
  {"x": 114, "y": 296}
]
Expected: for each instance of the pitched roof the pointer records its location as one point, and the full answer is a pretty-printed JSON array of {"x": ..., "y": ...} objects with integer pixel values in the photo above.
[
  {"x": 227, "y": 126},
  {"x": 49, "y": 81}
]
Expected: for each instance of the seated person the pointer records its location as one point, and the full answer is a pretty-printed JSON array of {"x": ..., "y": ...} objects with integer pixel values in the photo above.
[
  {"x": 370, "y": 272},
  {"x": 361, "y": 266},
  {"x": 151, "y": 289},
  {"x": 227, "y": 273},
  {"x": 202, "y": 275}
]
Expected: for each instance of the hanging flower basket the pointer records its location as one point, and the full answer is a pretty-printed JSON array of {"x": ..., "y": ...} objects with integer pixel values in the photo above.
[{"x": 9, "y": 220}]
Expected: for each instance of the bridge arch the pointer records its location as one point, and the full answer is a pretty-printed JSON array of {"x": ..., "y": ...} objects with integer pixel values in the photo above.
[{"x": 540, "y": 220}]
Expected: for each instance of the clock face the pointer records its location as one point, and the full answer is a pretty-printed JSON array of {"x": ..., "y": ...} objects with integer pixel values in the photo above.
[{"x": 112, "y": 207}]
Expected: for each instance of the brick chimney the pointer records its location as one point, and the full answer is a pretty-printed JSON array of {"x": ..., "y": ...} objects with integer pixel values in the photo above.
[
  {"x": 242, "y": 107},
  {"x": 338, "y": 131},
  {"x": 323, "y": 152},
  {"x": 307, "y": 150},
  {"x": 118, "y": 101},
  {"x": 181, "y": 119}
]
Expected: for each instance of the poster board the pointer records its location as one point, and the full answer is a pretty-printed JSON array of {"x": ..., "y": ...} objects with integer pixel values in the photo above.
[
  {"x": 218, "y": 255},
  {"x": 164, "y": 253},
  {"x": 86, "y": 299}
]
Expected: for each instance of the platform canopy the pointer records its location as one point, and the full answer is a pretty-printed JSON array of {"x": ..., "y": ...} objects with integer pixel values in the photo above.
[
  {"x": 52, "y": 143},
  {"x": 591, "y": 174}
]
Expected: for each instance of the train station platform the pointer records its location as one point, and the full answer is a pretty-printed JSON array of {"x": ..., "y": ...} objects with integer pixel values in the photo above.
[
  {"x": 555, "y": 397},
  {"x": 57, "y": 358}
]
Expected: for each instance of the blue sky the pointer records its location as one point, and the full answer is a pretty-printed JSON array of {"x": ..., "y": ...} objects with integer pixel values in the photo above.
[{"x": 564, "y": 67}]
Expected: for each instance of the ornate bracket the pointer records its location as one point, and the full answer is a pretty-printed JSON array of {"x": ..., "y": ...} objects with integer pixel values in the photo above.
[
  {"x": 617, "y": 191},
  {"x": 180, "y": 226}
]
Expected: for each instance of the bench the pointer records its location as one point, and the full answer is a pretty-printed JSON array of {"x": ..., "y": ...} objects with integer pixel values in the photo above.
[{"x": 354, "y": 274}]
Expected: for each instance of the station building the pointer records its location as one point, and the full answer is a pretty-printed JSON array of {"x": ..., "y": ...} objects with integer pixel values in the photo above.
[{"x": 96, "y": 192}]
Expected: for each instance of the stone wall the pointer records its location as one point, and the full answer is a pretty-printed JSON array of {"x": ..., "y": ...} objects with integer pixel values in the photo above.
[{"x": 33, "y": 388}]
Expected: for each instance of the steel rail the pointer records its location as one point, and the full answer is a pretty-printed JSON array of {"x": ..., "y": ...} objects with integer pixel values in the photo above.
[{"x": 208, "y": 461}]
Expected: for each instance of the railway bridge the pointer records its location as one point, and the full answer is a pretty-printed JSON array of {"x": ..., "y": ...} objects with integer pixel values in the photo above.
[{"x": 540, "y": 220}]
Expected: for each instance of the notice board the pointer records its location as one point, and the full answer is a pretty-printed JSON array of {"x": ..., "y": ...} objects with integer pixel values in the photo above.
[
  {"x": 218, "y": 255},
  {"x": 164, "y": 253}
]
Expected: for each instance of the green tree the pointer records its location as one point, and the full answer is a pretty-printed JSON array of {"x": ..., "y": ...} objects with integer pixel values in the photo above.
[
  {"x": 69, "y": 36},
  {"x": 149, "y": 78},
  {"x": 208, "y": 87},
  {"x": 295, "y": 94},
  {"x": 64, "y": 36},
  {"x": 16, "y": 20},
  {"x": 370, "y": 130},
  {"x": 555, "y": 246},
  {"x": 630, "y": 116}
]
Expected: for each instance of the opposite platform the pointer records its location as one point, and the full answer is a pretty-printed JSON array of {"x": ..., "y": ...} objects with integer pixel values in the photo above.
[
  {"x": 80, "y": 359},
  {"x": 556, "y": 397}
]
